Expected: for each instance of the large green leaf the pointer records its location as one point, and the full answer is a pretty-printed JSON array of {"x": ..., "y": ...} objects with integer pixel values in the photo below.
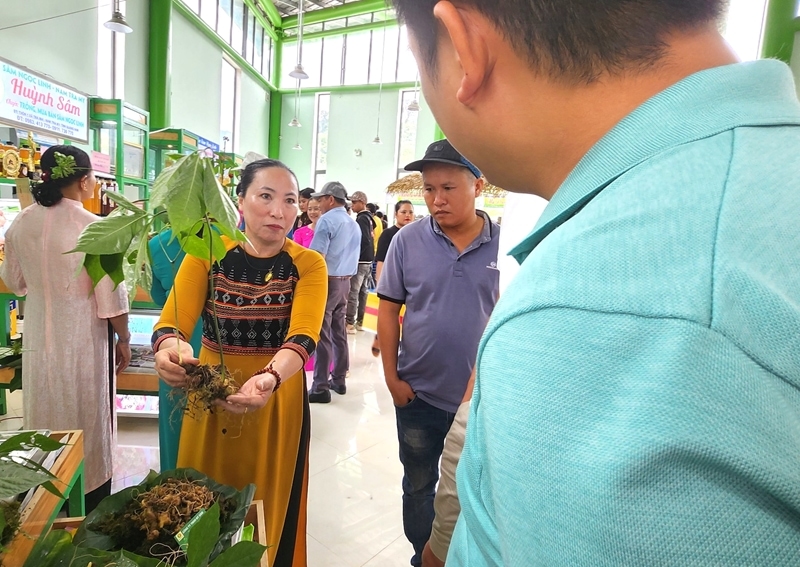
[
  {"x": 184, "y": 196},
  {"x": 243, "y": 554},
  {"x": 56, "y": 550},
  {"x": 123, "y": 202},
  {"x": 161, "y": 186},
  {"x": 111, "y": 235},
  {"x": 219, "y": 203},
  {"x": 26, "y": 441},
  {"x": 94, "y": 268},
  {"x": 210, "y": 243},
  {"x": 202, "y": 538},
  {"x": 16, "y": 478},
  {"x": 112, "y": 265}
]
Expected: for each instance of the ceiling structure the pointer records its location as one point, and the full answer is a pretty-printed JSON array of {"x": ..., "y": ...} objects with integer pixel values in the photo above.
[{"x": 289, "y": 7}]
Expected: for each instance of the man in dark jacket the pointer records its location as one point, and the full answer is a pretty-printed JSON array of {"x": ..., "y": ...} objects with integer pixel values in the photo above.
[{"x": 359, "y": 283}]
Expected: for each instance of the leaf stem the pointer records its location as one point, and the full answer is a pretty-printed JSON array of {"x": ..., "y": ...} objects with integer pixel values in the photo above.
[{"x": 208, "y": 227}]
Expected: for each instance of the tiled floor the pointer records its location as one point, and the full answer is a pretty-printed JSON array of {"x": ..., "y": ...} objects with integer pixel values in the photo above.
[{"x": 354, "y": 489}]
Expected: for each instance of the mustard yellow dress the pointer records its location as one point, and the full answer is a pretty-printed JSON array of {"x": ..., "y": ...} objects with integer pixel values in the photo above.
[{"x": 263, "y": 305}]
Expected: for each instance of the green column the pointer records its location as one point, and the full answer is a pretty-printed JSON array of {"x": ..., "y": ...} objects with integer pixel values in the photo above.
[
  {"x": 779, "y": 29},
  {"x": 160, "y": 64},
  {"x": 438, "y": 134},
  {"x": 275, "y": 117}
]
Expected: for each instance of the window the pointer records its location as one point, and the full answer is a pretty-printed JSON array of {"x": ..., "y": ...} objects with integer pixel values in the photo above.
[
  {"x": 384, "y": 55},
  {"x": 258, "y": 53},
  {"x": 194, "y": 5},
  {"x": 743, "y": 27},
  {"x": 406, "y": 132},
  {"x": 224, "y": 20},
  {"x": 208, "y": 12},
  {"x": 229, "y": 106},
  {"x": 321, "y": 140},
  {"x": 332, "y": 49},
  {"x": 356, "y": 64},
  {"x": 406, "y": 64},
  {"x": 237, "y": 33},
  {"x": 251, "y": 35},
  {"x": 312, "y": 62}
]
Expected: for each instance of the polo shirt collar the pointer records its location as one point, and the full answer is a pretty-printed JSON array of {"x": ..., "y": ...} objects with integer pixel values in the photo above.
[
  {"x": 486, "y": 233},
  {"x": 760, "y": 93}
]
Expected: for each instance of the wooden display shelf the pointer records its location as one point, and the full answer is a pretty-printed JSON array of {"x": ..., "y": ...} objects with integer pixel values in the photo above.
[
  {"x": 255, "y": 516},
  {"x": 136, "y": 383},
  {"x": 40, "y": 513}
]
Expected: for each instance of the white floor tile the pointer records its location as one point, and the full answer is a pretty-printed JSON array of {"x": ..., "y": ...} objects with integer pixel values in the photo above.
[{"x": 396, "y": 554}]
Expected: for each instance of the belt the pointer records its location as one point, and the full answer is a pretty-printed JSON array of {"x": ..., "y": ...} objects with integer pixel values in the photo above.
[{"x": 339, "y": 277}]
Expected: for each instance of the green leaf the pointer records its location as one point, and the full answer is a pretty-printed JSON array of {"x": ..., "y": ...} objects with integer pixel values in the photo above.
[
  {"x": 51, "y": 488},
  {"x": 2, "y": 520},
  {"x": 123, "y": 202},
  {"x": 27, "y": 441},
  {"x": 16, "y": 478},
  {"x": 95, "y": 270},
  {"x": 219, "y": 204},
  {"x": 112, "y": 234},
  {"x": 112, "y": 265},
  {"x": 184, "y": 194},
  {"x": 161, "y": 186},
  {"x": 219, "y": 249},
  {"x": 243, "y": 554},
  {"x": 247, "y": 532},
  {"x": 202, "y": 538},
  {"x": 210, "y": 244}
]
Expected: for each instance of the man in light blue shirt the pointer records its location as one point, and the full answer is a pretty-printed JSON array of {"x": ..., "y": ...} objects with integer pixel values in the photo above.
[
  {"x": 638, "y": 389},
  {"x": 338, "y": 238}
]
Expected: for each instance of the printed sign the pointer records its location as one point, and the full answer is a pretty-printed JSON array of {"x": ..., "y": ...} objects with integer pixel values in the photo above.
[
  {"x": 101, "y": 162},
  {"x": 203, "y": 143},
  {"x": 34, "y": 102}
]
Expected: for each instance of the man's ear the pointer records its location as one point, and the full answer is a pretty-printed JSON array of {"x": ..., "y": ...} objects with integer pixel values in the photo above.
[
  {"x": 479, "y": 186},
  {"x": 469, "y": 43}
]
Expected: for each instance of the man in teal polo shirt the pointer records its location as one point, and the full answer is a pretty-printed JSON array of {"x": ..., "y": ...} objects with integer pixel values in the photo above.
[{"x": 637, "y": 399}]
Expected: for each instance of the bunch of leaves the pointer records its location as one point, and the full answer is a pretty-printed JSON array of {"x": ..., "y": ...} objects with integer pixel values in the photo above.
[
  {"x": 58, "y": 549},
  {"x": 198, "y": 210},
  {"x": 125, "y": 520},
  {"x": 19, "y": 474},
  {"x": 10, "y": 512}
]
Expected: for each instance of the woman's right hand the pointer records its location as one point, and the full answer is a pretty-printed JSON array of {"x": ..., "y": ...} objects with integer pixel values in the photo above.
[{"x": 168, "y": 361}]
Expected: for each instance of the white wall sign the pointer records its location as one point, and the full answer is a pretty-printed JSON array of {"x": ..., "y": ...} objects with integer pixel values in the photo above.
[{"x": 34, "y": 102}]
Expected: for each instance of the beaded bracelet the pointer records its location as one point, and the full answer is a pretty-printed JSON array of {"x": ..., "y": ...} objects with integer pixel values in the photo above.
[{"x": 270, "y": 370}]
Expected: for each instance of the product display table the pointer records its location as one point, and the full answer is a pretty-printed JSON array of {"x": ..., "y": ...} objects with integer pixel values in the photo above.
[{"x": 41, "y": 511}]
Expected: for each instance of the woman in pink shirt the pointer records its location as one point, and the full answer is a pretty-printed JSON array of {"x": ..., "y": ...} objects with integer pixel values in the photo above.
[{"x": 305, "y": 234}]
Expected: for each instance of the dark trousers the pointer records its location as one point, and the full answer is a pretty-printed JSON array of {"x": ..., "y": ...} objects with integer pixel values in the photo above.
[
  {"x": 421, "y": 430},
  {"x": 93, "y": 498},
  {"x": 333, "y": 337},
  {"x": 357, "y": 300}
]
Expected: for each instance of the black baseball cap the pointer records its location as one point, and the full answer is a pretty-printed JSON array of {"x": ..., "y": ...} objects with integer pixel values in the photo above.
[{"x": 443, "y": 152}]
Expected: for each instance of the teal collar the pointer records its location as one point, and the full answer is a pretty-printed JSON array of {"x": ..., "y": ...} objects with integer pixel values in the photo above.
[{"x": 760, "y": 93}]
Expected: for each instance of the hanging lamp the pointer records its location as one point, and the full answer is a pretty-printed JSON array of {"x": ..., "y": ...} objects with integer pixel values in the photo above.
[
  {"x": 413, "y": 106},
  {"x": 377, "y": 139},
  {"x": 117, "y": 22},
  {"x": 298, "y": 72},
  {"x": 295, "y": 123}
]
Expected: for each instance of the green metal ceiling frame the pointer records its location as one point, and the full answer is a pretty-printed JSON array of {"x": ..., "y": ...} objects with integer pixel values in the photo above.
[{"x": 358, "y": 8}]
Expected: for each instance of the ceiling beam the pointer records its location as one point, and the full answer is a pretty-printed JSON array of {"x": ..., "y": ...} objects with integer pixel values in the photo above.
[
  {"x": 341, "y": 31},
  {"x": 271, "y": 11},
  {"x": 358, "y": 8}
]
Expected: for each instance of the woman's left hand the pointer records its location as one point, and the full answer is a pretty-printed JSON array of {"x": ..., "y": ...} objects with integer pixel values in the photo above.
[{"x": 252, "y": 396}]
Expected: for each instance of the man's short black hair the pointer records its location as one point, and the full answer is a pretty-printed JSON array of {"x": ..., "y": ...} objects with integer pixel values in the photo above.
[{"x": 573, "y": 40}]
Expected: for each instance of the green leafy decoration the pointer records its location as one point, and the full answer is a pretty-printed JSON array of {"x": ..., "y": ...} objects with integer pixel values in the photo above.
[
  {"x": 27, "y": 441},
  {"x": 219, "y": 204},
  {"x": 65, "y": 166},
  {"x": 243, "y": 553},
  {"x": 112, "y": 265},
  {"x": 184, "y": 198},
  {"x": 202, "y": 538},
  {"x": 123, "y": 202},
  {"x": 111, "y": 235},
  {"x": 16, "y": 478},
  {"x": 94, "y": 268},
  {"x": 161, "y": 186}
]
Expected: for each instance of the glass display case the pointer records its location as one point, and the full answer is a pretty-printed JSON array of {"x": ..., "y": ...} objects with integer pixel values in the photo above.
[
  {"x": 122, "y": 131},
  {"x": 169, "y": 142}
]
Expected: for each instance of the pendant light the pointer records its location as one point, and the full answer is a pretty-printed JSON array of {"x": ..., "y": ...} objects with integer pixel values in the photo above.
[
  {"x": 295, "y": 123},
  {"x": 377, "y": 139},
  {"x": 413, "y": 106},
  {"x": 117, "y": 22},
  {"x": 299, "y": 73}
]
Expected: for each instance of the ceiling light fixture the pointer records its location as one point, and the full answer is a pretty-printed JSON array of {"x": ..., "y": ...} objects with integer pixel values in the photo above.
[
  {"x": 117, "y": 22},
  {"x": 413, "y": 106},
  {"x": 299, "y": 73}
]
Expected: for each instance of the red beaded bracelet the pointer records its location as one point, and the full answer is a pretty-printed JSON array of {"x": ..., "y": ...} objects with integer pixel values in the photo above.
[{"x": 270, "y": 370}]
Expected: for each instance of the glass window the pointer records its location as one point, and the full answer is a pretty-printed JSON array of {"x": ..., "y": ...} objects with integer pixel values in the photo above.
[
  {"x": 743, "y": 27},
  {"x": 406, "y": 64},
  {"x": 228, "y": 102},
  {"x": 224, "y": 20},
  {"x": 312, "y": 62},
  {"x": 389, "y": 53},
  {"x": 332, "y": 61},
  {"x": 313, "y": 28},
  {"x": 251, "y": 36},
  {"x": 259, "y": 48},
  {"x": 356, "y": 64},
  {"x": 208, "y": 12},
  {"x": 407, "y": 130},
  {"x": 321, "y": 141},
  {"x": 336, "y": 24},
  {"x": 266, "y": 62},
  {"x": 359, "y": 20},
  {"x": 194, "y": 5},
  {"x": 237, "y": 35},
  {"x": 288, "y": 59}
]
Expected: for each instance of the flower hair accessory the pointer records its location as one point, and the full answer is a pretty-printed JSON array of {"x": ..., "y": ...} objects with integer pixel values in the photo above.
[
  {"x": 65, "y": 166},
  {"x": 45, "y": 176}
]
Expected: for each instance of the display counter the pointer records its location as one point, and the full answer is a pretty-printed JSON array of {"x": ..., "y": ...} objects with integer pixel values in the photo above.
[{"x": 40, "y": 513}]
